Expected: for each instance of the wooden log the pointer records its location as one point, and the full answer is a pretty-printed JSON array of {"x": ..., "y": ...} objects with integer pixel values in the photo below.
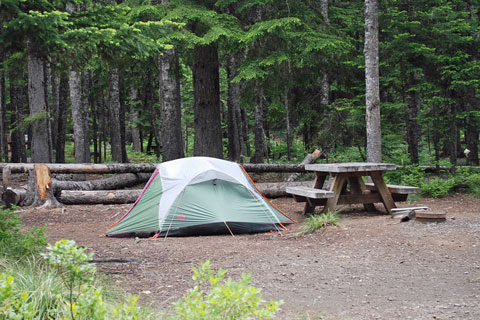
[
  {"x": 85, "y": 167},
  {"x": 111, "y": 183},
  {"x": 99, "y": 196},
  {"x": 138, "y": 167},
  {"x": 270, "y": 190},
  {"x": 273, "y": 167},
  {"x": 277, "y": 189},
  {"x": 6, "y": 173},
  {"x": 14, "y": 196},
  {"x": 310, "y": 158}
]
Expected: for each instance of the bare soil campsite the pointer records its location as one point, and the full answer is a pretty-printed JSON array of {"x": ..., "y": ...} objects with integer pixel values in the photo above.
[{"x": 370, "y": 267}]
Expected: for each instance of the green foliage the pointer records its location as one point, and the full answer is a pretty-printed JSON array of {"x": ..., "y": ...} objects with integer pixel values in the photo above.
[
  {"x": 316, "y": 222},
  {"x": 214, "y": 297},
  {"x": 13, "y": 242},
  {"x": 437, "y": 187},
  {"x": 473, "y": 183}
]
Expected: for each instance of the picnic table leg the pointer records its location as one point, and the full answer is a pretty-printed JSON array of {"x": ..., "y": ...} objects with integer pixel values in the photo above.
[
  {"x": 357, "y": 186},
  {"x": 317, "y": 184},
  {"x": 382, "y": 189},
  {"x": 339, "y": 181}
]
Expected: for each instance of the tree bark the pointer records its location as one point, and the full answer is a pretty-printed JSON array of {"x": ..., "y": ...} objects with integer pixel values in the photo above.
[
  {"x": 471, "y": 132},
  {"x": 134, "y": 119},
  {"x": 171, "y": 128},
  {"x": 413, "y": 110},
  {"x": 17, "y": 145},
  {"x": 259, "y": 131},
  {"x": 38, "y": 111},
  {"x": 234, "y": 113},
  {"x": 39, "y": 191},
  {"x": 55, "y": 82},
  {"x": 79, "y": 117},
  {"x": 374, "y": 135},
  {"x": 114, "y": 108},
  {"x": 124, "y": 180},
  {"x": 207, "y": 123},
  {"x": 61, "y": 119},
  {"x": 3, "y": 116}
]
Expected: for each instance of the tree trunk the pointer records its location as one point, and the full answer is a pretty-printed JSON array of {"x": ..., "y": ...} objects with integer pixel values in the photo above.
[
  {"x": 413, "y": 110},
  {"x": 61, "y": 119},
  {"x": 39, "y": 191},
  {"x": 3, "y": 118},
  {"x": 207, "y": 123},
  {"x": 55, "y": 107},
  {"x": 38, "y": 111},
  {"x": 48, "y": 84},
  {"x": 114, "y": 108},
  {"x": 452, "y": 137},
  {"x": 259, "y": 132},
  {"x": 374, "y": 135},
  {"x": 17, "y": 142},
  {"x": 169, "y": 89},
  {"x": 246, "y": 131},
  {"x": 235, "y": 130},
  {"x": 79, "y": 117},
  {"x": 472, "y": 135},
  {"x": 134, "y": 119},
  {"x": 286, "y": 103}
]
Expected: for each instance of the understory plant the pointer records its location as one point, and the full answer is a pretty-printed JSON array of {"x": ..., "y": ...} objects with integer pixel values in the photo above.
[
  {"x": 215, "y": 298},
  {"x": 14, "y": 243}
]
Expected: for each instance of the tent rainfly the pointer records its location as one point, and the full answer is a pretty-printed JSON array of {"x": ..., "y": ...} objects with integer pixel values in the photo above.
[{"x": 199, "y": 196}]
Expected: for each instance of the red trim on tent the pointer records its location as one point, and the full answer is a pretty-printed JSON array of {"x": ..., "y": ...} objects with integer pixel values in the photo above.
[
  {"x": 271, "y": 203},
  {"x": 136, "y": 201}
]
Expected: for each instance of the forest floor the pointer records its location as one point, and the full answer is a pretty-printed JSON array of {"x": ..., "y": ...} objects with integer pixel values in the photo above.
[{"x": 371, "y": 267}]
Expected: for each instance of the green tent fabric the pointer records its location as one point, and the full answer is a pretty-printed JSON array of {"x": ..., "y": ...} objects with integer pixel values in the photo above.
[{"x": 199, "y": 196}]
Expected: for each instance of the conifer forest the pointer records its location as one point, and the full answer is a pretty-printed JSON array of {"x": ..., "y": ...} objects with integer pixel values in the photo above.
[{"x": 245, "y": 80}]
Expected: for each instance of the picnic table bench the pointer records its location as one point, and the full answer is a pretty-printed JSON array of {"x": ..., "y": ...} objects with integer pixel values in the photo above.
[{"x": 348, "y": 187}]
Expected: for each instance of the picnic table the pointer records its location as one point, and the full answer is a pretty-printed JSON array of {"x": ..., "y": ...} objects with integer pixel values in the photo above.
[{"x": 348, "y": 187}]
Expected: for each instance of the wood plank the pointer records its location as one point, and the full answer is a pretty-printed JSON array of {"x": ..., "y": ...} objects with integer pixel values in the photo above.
[
  {"x": 351, "y": 167},
  {"x": 337, "y": 185},
  {"x": 318, "y": 183},
  {"x": 358, "y": 187},
  {"x": 359, "y": 198},
  {"x": 396, "y": 188},
  {"x": 382, "y": 189},
  {"x": 310, "y": 192}
]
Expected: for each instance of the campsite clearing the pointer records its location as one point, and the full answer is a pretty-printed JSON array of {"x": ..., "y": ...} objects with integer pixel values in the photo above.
[{"x": 373, "y": 267}]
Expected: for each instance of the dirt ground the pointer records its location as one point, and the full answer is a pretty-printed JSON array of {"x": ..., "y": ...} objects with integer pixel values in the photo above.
[{"x": 372, "y": 267}]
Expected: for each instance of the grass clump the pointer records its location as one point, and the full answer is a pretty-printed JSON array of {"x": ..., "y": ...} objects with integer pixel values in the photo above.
[{"x": 317, "y": 222}]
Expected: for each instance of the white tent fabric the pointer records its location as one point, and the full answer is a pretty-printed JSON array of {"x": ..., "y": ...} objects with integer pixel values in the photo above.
[{"x": 176, "y": 175}]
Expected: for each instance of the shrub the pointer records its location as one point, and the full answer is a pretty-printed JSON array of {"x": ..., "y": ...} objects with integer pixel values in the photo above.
[
  {"x": 473, "y": 183},
  {"x": 213, "y": 298},
  {"x": 437, "y": 187},
  {"x": 316, "y": 222},
  {"x": 14, "y": 243}
]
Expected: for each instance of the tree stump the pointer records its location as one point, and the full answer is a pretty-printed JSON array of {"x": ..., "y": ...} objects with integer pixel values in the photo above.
[{"x": 39, "y": 190}]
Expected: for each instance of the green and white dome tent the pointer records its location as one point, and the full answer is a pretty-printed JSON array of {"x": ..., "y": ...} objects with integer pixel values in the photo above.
[{"x": 199, "y": 196}]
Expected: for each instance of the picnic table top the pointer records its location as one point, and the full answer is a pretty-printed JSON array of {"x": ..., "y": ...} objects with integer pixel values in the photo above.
[{"x": 350, "y": 167}]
